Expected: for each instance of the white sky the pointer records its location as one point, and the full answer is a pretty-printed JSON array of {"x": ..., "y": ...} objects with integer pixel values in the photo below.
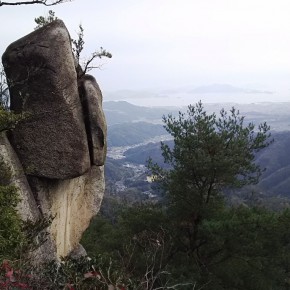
[{"x": 175, "y": 43}]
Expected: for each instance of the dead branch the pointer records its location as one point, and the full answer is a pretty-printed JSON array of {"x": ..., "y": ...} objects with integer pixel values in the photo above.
[
  {"x": 43, "y": 2},
  {"x": 97, "y": 54}
]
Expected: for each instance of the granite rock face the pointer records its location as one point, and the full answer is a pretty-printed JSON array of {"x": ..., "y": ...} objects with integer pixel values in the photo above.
[
  {"x": 91, "y": 97},
  {"x": 59, "y": 149},
  {"x": 72, "y": 203},
  {"x": 40, "y": 68}
]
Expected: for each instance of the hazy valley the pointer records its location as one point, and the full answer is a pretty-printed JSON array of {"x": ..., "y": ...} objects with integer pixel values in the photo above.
[{"x": 135, "y": 132}]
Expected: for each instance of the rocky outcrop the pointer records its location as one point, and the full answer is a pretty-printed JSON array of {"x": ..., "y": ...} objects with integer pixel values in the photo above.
[
  {"x": 92, "y": 99},
  {"x": 40, "y": 68},
  {"x": 59, "y": 149},
  {"x": 72, "y": 203}
]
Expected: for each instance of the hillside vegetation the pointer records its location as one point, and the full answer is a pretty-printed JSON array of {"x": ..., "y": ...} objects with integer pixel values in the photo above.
[{"x": 192, "y": 237}]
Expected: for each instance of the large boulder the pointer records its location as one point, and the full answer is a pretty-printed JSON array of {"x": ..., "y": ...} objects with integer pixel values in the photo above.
[
  {"x": 59, "y": 149},
  {"x": 72, "y": 203},
  {"x": 91, "y": 97},
  {"x": 40, "y": 69}
]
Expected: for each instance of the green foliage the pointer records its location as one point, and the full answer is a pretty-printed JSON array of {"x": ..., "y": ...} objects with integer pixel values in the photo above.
[
  {"x": 244, "y": 250},
  {"x": 11, "y": 235},
  {"x": 236, "y": 248},
  {"x": 210, "y": 153},
  {"x": 43, "y": 20},
  {"x": 8, "y": 119},
  {"x": 193, "y": 239},
  {"x": 17, "y": 237},
  {"x": 83, "y": 273},
  {"x": 140, "y": 242},
  {"x": 107, "y": 233}
]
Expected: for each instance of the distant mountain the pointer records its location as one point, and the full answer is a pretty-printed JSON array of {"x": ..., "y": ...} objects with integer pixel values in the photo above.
[
  {"x": 129, "y": 94},
  {"x": 130, "y": 125},
  {"x": 225, "y": 89},
  {"x": 275, "y": 114},
  {"x": 276, "y": 159},
  {"x": 118, "y": 112},
  {"x": 142, "y": 153},
  {"x": 133, "y": 133}
]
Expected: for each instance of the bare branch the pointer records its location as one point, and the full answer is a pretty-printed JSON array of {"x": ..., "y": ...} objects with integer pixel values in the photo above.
[
  {"x": 43, "y": 2},
  {"x": 88, "y": 64},
  {"x": 97, "y": 54}
]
